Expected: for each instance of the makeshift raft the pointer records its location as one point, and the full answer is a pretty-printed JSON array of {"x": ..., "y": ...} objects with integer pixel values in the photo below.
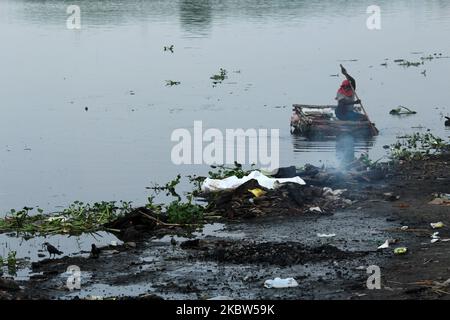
[{"x": 320, "y": 122}]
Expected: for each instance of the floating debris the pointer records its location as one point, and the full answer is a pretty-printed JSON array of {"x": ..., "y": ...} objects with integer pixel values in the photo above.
[
  {"x": 410, "y": 64},
  {"x": 401, "y": 110},
  {"x": 169, "y": 48},
  {"x": 220, "y": 77},
  {"x": 171, "y": 83}
]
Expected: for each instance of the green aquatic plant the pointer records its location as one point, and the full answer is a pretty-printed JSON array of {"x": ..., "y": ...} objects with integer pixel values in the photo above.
[
  {"x": 185, "y": 213},
  {"x": 222, "y": 171},
  {"x": 76, "y": 219},
  {"x": 10, "y": 262},
  {"x": 417, "y": 146},
  {"x": 169, "y": 187},
  {"x": 155, "y": 208},
  {"x": 196, "y": 182},
  {"x": 220, "y": 77}
]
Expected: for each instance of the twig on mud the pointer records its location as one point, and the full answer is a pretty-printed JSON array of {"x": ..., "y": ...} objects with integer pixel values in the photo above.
[
  {"x": 112, "y": 230},
  {"x": 213, "y": 217},
  {"x": 407, "y": 230},
  {"x": 435, "y": 286},
  {"x": 159, "y": 222}
]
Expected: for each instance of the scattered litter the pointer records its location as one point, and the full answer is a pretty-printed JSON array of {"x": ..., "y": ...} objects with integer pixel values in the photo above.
[
  {"x": 257, "y": 192},
  {"x": 401, "y": 110},
  {"x": 387, "y": 243},
  {"x": 328, "y": 191},
  {"x": 91, "y": 297},
  {"x": 57, "y": 218},
  {"x": 222, "y": 298},
  {"x": 315, "y": 209},
  {"x": 359, "y": 295},
  {"x": 402, "y": 205},
  {"x": 384, "y": 245},
  {"x": 389, "y": 196},
  {"x": 442, "y": 199},
  {"x": 211, "y": 185},
  {"x": 404, "y": 228},
  {"x": 435, "y": 237},
  {"x": 401, "y": 250},
  {"x": 324, "y": 235},
  {"x": 437, "y": 225},
  {"x": 132, "y": 244},
  {"x": 279, "y": 283}
]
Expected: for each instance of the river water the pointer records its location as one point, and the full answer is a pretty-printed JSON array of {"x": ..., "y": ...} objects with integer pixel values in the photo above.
[{"x": 53, "y": 151}]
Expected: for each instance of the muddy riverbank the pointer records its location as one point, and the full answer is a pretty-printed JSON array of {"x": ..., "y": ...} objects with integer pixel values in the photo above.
[{"x": 327, "y": 253}]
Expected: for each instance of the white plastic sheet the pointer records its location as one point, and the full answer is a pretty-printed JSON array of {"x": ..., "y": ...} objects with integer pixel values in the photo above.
[
  {"x": 211, "y": 185},
  {"x": 279, "y": 283}
]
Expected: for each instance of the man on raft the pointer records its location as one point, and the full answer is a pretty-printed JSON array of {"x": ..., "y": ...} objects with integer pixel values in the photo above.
[{"x": 346, "y": 100}]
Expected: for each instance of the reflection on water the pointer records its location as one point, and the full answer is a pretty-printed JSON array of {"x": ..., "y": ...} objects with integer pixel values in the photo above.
[
  {"x": 53, "y": 152},
  {"x": 30, "y": 249},
  {"x": 345, "y": 147},
  {"x": 195, "y": 16}
]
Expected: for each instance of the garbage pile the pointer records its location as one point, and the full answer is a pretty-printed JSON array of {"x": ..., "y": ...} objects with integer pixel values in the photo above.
[
  {"x": 251, "y": 199},
  {"x": 134, "y": 225}
]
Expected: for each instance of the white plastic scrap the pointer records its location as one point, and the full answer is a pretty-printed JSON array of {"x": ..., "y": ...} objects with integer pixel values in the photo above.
[
  {"x": 211, "y": 185},
  {"x": 221, "y": 298},
  {"x": 435, "y": 237},
  {"x": 279, "y": 283},
  {"x": 57, "y": 218},
  {"x": 315, "y": 209},
  {"x": 324, "y": 235},
  {"x": 437, "y": 225},
  {"x": 404, "y": 228},
  {"x": 384, "y": 245},
  {"x": 330, "y": 192}
]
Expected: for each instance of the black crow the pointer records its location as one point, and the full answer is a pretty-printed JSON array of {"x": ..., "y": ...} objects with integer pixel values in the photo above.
[
  {"x": 95, "y": 252},
  {"x": 52, "y": 250}
]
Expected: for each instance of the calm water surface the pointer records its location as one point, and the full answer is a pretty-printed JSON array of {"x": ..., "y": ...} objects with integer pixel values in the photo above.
[{"x": 277, "y": 53}]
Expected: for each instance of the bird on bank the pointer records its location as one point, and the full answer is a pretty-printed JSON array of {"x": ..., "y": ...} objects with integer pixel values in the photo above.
[
  {"x": 447, "y": 122},
  {"x": 95, "y": 252},
  {"x": 52, "y": 250}
]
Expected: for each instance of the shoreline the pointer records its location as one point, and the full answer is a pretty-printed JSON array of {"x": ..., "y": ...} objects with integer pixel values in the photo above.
[{"x": 251, "y": 250}]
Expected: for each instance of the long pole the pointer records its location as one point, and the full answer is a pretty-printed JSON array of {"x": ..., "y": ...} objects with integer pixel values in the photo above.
[{"x": 374, "y": 130}]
